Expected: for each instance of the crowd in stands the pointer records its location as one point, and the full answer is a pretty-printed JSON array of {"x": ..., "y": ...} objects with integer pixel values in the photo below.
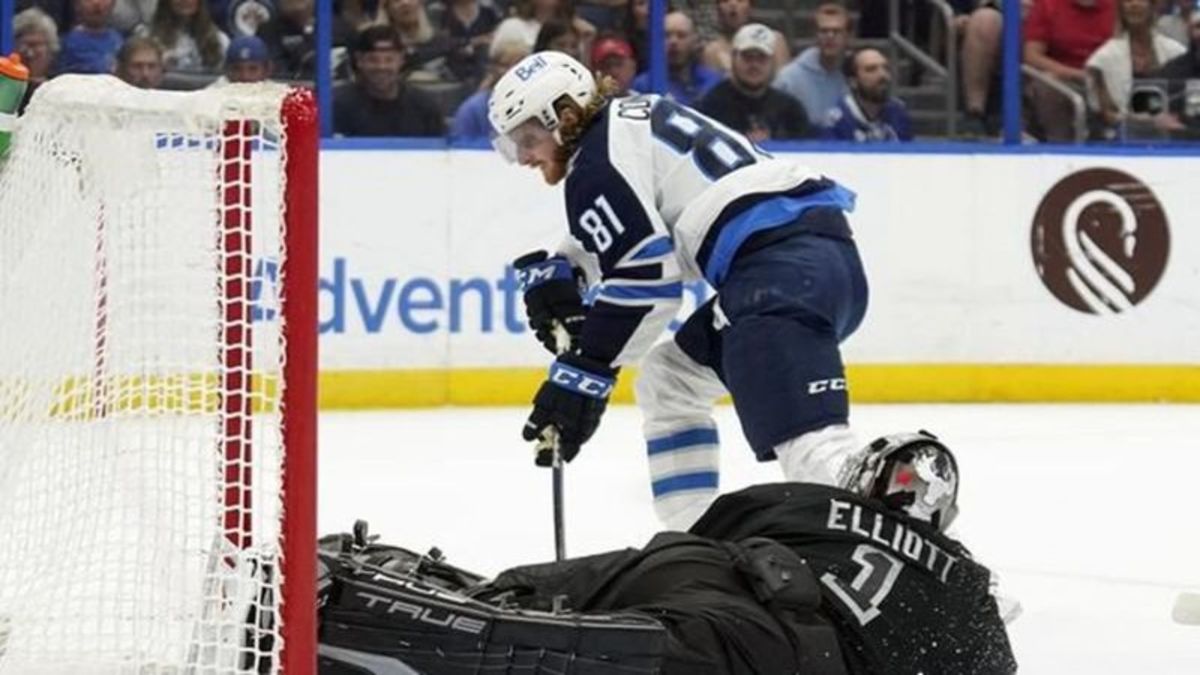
[{"x": 426, "y": 67}]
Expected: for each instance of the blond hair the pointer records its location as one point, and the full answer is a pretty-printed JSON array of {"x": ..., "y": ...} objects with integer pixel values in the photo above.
[{"x": 571, "y": 134}]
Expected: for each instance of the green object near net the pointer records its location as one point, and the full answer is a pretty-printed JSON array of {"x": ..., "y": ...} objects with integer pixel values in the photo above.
[{"x": 13, "y": 80}]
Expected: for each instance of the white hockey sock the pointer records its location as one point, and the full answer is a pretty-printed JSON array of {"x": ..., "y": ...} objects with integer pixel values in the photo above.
[
  {"x": 818, "y": 456},
  {"x": 684, "y": 474},
  {"x": 681, "y": 510}
]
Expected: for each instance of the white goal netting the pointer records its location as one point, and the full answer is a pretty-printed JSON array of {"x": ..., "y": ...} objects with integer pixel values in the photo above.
[{"x": 140, "y": 381}]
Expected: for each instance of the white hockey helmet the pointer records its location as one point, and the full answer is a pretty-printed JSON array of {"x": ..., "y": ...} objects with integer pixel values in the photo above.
[
  {"x": 911, "y": 472},
  {"x": 529, "y": 90}
]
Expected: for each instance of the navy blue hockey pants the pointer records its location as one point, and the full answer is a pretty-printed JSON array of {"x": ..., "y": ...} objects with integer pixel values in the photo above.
[{"x": 772, "y": 332}]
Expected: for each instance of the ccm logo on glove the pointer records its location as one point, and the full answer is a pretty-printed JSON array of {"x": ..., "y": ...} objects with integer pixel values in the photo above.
[
  {"x": 533, "y": 273},
  {"x": 576, "y": 380}
]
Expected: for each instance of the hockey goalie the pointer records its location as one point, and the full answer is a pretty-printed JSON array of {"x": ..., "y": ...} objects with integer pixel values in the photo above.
[{"x": 774, "y": 579}]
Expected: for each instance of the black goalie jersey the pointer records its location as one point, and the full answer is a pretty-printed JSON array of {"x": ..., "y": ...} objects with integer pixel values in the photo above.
[{"x": 905, "y": 598}]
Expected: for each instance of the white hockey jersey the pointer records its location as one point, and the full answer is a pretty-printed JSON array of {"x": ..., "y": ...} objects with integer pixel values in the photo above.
[{"x": 646, "y": 185}]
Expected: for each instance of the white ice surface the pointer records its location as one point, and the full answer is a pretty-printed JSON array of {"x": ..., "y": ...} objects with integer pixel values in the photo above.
[{"x": 1088, "y": 513}]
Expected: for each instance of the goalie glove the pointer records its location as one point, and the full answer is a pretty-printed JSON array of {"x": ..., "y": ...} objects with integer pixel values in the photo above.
[
  {"x": 568, "y": 405},
  {"x": 552, "y": 299}
]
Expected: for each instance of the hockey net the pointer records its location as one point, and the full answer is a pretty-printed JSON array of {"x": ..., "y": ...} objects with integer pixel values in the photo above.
[{"x": 157, "y": 381}]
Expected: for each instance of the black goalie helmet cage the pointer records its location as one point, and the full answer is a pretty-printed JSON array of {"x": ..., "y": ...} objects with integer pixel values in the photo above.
[{"x": 913, "y": 472}]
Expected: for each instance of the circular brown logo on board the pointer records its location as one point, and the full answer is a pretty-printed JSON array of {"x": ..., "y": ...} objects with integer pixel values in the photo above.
[{"x": 1100, "y": 241}]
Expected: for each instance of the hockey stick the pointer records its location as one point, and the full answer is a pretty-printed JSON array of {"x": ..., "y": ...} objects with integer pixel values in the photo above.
[
  {"x": 549, "y": 441},
  {"x": 562, "y": 342},
  {"x": 556, "y": 485}
]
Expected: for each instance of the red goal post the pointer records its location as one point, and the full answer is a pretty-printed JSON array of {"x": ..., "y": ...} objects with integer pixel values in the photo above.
[{"x": 158, "y": 287}]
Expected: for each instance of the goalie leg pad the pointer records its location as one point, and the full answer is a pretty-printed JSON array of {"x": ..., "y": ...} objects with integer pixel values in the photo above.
[{"x": 402, "y": 619}]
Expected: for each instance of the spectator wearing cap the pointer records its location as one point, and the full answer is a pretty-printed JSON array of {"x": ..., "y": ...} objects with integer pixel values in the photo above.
[
  {"x": 687, "y": 79},
  {"x": 378, "y": 103},
  {"x": 471, "y": 119},
  {"x": 745, "y": 101},
  {"x": 869, "y": 113},
  {"x": 247, "y": 60},
  {"x": 731, "y": 16},
  {"x": 140, "y": 63},
  {"x": 816, "y": 77},
  {"x": 91, "y": 46},
  {"x": 613, "y": 56},
  {"x": 35, "y": 38}
]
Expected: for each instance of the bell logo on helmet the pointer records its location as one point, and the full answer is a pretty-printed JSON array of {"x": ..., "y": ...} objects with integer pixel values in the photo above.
[
  {"x": 530, "y": 90},
  {"x": 533, "y": 67}
]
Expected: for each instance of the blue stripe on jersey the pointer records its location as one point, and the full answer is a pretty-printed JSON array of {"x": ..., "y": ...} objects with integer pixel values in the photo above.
[
  {"x": 765, "y": 215},
  {"x": 684, "y": 481},
  {"x": 671, "y": 290},
  {"x": 682, "y": 439},
  {"x": 656, "y": 248}
]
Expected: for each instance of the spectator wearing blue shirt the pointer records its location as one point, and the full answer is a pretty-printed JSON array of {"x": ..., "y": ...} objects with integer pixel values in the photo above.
[
  {"x": 471, "y": 119},
  {"x": 687, "y": 80},
  {"x": 91, "y": 46},
  {"x": 869, "y": 113},
  {"x": 815, "y": 77}
]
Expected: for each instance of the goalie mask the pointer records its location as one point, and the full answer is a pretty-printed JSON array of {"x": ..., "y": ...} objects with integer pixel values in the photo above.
[{"x": 914, "y": 473}]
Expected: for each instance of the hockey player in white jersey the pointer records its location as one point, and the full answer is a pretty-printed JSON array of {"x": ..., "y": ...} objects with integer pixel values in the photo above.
[{"x": 657, "y": 194}]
